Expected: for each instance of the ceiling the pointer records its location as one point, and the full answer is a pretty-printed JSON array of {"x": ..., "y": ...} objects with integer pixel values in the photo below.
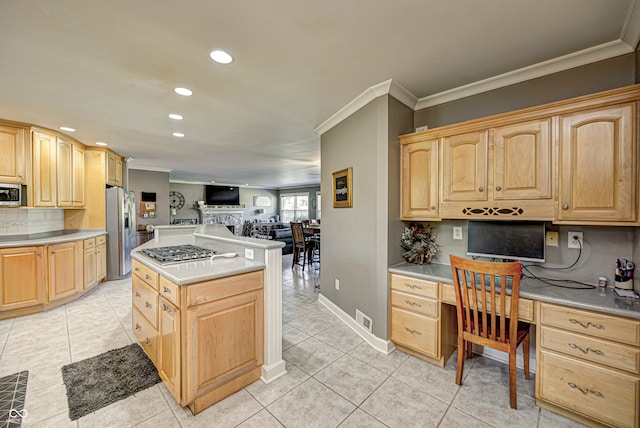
[{"x": 108, "y": 69}]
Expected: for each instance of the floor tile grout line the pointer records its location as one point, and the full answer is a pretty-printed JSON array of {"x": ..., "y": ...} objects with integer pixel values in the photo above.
[{"x": 6, "y": 339}]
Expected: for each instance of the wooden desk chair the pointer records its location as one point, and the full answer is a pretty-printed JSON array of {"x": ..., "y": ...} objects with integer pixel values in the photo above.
[
  {"x": 299, "y": 245},
  {"x": 481, "y": 285}
]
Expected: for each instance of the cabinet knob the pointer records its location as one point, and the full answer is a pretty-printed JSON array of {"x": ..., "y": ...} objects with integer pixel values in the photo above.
[
  {"x": 137, "y": 269},
  {"x": 138, "y": 327},
  {"x": 480, "y": 189},
  {"x": 433, "y": 207},
  {"x": 137, "y": 294},
  {"x": 147, "y": 304},
  {"x": 498, "y": 188},
  {"x": 565, "y": 206}
]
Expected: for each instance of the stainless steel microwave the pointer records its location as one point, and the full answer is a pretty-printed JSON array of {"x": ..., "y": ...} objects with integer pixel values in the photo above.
[{"x": 10, "y": 195}]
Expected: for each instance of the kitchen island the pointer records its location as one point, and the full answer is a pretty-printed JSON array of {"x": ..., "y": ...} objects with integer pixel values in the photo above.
[{"x": 211, "y": 326}]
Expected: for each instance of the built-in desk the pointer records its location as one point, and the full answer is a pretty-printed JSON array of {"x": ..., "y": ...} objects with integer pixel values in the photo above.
[{"x": 587, "y": 341}]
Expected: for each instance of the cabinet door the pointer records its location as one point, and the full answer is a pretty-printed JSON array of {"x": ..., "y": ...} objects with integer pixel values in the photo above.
[
  {"x": 464, "y": 167},
  {"x": 90, "y": 267},
  {"x": 65, "y": 173},
  {"x": 419, "y": 180},
  {"x": 45, "y": 148},
  {"x": 597, "y": 170},
  {"x": 65, "y": 269},
  {"x": 13, "y": 159},
  {"x": 111, "y": 168},
  {"x": 101, "y": 262},
  {"x": 21, "y": 277},
  {"x": 118, "y": 177},
  {"x": 78, "y": 175},
  {"x": 169, "y": 347},
  {"x": 522, "y": 161},
  {"x": 230, "y": 330}
]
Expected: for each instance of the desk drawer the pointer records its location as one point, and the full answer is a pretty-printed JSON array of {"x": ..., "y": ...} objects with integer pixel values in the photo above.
[
  {"x": 145, "y": 299},
  {"x": 603, "y": 394},
  {"x": 145, "y": 273},
  {"x": 414, "y": 303},
  {"x": 588, "y": 348},
  {"x": 525, "y": 306},
  {"x": 417, "y": 286},
  {"x": 147, "y": 336},
  {"x": 415, "y": 331},
  {"x": 594, "y": 324}
]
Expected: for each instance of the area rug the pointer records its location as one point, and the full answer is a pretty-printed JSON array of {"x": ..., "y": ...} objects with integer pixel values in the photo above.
[
  {"x": 106, "y": 378},
  {"x": 13, "y": 391}
]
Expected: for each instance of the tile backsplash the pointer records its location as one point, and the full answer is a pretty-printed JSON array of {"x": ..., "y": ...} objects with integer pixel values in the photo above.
[{"x": 20, "y": 221}]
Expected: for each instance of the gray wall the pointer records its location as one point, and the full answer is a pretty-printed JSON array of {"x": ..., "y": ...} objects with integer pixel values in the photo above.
[
  {"x": 355, "y": 240},
  {"x": 151, "y": 181}
]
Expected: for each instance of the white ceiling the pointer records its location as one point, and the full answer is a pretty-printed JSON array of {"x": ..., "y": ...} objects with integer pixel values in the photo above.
[{"x": 108, "y": 68}]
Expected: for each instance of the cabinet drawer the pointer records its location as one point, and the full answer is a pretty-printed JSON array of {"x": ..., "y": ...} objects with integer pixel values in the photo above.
[
  {"x": 101, "y": 239},
  {"x": 414, "y": 331},
  {"x": 414, "y": 303},
  {"x": 589, "y": 348},
  {"x": 525, "y": 306},
  {"x": 208, "y": 291},
  {"x": 603, "y": 394},
  {"x": 421, "y": 287},
  {"x": 145, "y": 299},
  {"x": 89, "y": 243},
  {"x": 594, "y": 324},
  {"x": 147, "y": 336},
  {"x": 145, "y": 273},
  {"x": 170, "y": 291}
]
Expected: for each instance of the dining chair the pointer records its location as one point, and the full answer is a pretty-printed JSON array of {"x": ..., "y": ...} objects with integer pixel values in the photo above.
[
  {"x": 479, "y": 285},
  {"x": 299, "y": 245}
]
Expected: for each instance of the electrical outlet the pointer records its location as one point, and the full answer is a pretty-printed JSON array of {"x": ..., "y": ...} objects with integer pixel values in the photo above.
[
  {"x": 457, "y": 233},
  {"x": 248, "y": 253},
  {"x": 575, "y": 240},
  {"x": 552, "y": 239},
  {"x": 337, "y": 282}
]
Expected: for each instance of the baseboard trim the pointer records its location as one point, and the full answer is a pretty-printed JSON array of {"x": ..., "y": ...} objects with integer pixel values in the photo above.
[
  {"x": 382, "y": 345},
  {"x": 273, "y": 372}
]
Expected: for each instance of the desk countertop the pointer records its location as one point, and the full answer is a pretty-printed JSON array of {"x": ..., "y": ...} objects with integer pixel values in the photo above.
[{"x": 594, "y": 300}]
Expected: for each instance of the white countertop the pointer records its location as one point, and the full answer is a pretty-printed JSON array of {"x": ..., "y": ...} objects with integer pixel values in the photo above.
[{"x": 46, "y": 238}]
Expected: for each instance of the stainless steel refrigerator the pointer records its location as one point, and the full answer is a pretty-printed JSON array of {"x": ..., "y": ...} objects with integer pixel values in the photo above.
[{"x": 121, "y": 231}]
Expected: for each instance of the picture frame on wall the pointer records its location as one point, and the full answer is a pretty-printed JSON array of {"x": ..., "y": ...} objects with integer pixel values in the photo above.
[{"x": 342, "y": 188}]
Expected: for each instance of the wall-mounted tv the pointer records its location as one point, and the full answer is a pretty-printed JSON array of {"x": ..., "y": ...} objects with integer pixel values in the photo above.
[
  {"x": 512, "y": 240},
  {"x": 221, "y": 195}
]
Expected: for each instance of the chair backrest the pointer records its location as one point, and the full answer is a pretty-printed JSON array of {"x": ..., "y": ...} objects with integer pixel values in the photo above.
[
  {"x": 296, "y": 233},
  {"x": 480, "y": 285}
]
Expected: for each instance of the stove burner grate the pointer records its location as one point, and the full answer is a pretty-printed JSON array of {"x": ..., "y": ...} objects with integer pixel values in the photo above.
[{"x": 178, "y": 253}]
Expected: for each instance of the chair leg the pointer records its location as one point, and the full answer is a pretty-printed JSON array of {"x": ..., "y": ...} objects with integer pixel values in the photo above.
[
  {"x": 469, "y": 350},
  {"x": 512, "y": 380},
  {"x": 460, "y": 360},
  {"x": 526, "y": 350}
]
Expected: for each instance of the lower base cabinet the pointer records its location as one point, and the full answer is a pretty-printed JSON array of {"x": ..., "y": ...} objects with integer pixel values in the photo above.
[
  {"x": 21, "y": 277},
  {"x": 206, "y": 339},
  {"x": 65, "y": 269}
]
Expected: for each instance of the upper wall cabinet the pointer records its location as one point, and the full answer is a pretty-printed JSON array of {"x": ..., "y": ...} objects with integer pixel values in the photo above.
[
  {"x": 419, "y": 181},
  {"x": 45, "y": 149},
  {"x": 598, "y": 165},
  {"x": 464, "y": 167},
  {"x": 13, "y": 162},
  {"x": 114, "y": 169},
  {"x": 70, "y": 174}
]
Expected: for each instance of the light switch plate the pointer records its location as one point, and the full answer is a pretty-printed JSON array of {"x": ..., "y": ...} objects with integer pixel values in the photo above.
[
  {"x": 457, "y": 233},
  {"x": 552, "y": 239}
]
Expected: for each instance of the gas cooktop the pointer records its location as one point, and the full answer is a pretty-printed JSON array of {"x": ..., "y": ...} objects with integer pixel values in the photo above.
[{"x": 178, "y": 254}]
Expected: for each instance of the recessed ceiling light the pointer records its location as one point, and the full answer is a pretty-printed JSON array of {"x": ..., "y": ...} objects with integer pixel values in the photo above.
[
  {"x": 178, "y": 134},
  {"x": 220, "y": 56},
  {"x": 183, "y": 91},
  {"x": 100, "y": 143},
  {"x": 175, "y": 116},
  {"x": 66, "y": 128},
  {"x": 213, "y": 181}
]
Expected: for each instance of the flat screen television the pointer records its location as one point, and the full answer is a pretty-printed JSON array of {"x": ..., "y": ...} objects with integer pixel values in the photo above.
[
  {"x": 221, "y": 195},
  {"x": 512, "y": 240}
]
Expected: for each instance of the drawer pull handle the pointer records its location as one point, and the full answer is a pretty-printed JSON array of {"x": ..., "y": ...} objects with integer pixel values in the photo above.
[
  {"x": 412, "y": 286},
  {"x": 137, "y": 294},
  {"x": 412, "y": 331},
  {"x": 138, "y": 326},
  {"x": 166, "y": 307},
  {"x": 585, "y": 391},
  {"x": 147, "y": 341},
  {"x": 586, "y": 351},
  {"x": 166, "y": 290},
  {"x": 589, "y": 323},
  {"x": 147, "y": 276},
  {"x": 147, "y": 304},
  {"x": 137, "y": 269},
  {"x": 410, "y": 303}
]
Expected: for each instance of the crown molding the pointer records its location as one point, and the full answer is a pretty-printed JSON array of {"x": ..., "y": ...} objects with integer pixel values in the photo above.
[
  {"x": 149, "y": 168},
  {"x": 630, "y": 33},
  {"x": 566, "y": 62},
  {"x": 388, "y": 87}
]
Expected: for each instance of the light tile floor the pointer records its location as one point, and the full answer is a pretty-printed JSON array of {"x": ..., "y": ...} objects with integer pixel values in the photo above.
[{"x": 333, "y": 377}]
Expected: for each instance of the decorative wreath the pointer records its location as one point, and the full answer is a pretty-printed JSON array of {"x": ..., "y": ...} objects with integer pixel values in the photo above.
[{"x": 419, "y": 244}]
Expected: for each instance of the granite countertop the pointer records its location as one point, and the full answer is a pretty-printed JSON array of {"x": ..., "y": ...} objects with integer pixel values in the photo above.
[
  {"x": 606, "y": 301},
  {"x": 195, "y": 271},
  {"x": 54, "y": 237}
]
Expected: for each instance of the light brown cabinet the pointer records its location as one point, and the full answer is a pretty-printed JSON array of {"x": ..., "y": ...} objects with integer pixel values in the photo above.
[
  {"x": 114, "y": 169},
  {"x": 588, "y": 364},
  {"x": 65, "y": 263},
  {"x": 419, "y": 180},
  {"x": 90, "y": 263},
  {"x": 598, "y": 165},
  {"x": 21, "y": 277},
  {"x": 13, "y": 162},
  {"x": 464, "y": 167},
  {"x": 101, "y": 258},
  {"x": 78, "y": 176},
  {"x": 45, "y": 166},
  {"x": 70, "y": 173},
  {"x": 206, "y": 339}
]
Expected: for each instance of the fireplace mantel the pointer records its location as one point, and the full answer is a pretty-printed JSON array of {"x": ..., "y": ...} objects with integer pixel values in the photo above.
[{"x": 229, "y": 216}]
